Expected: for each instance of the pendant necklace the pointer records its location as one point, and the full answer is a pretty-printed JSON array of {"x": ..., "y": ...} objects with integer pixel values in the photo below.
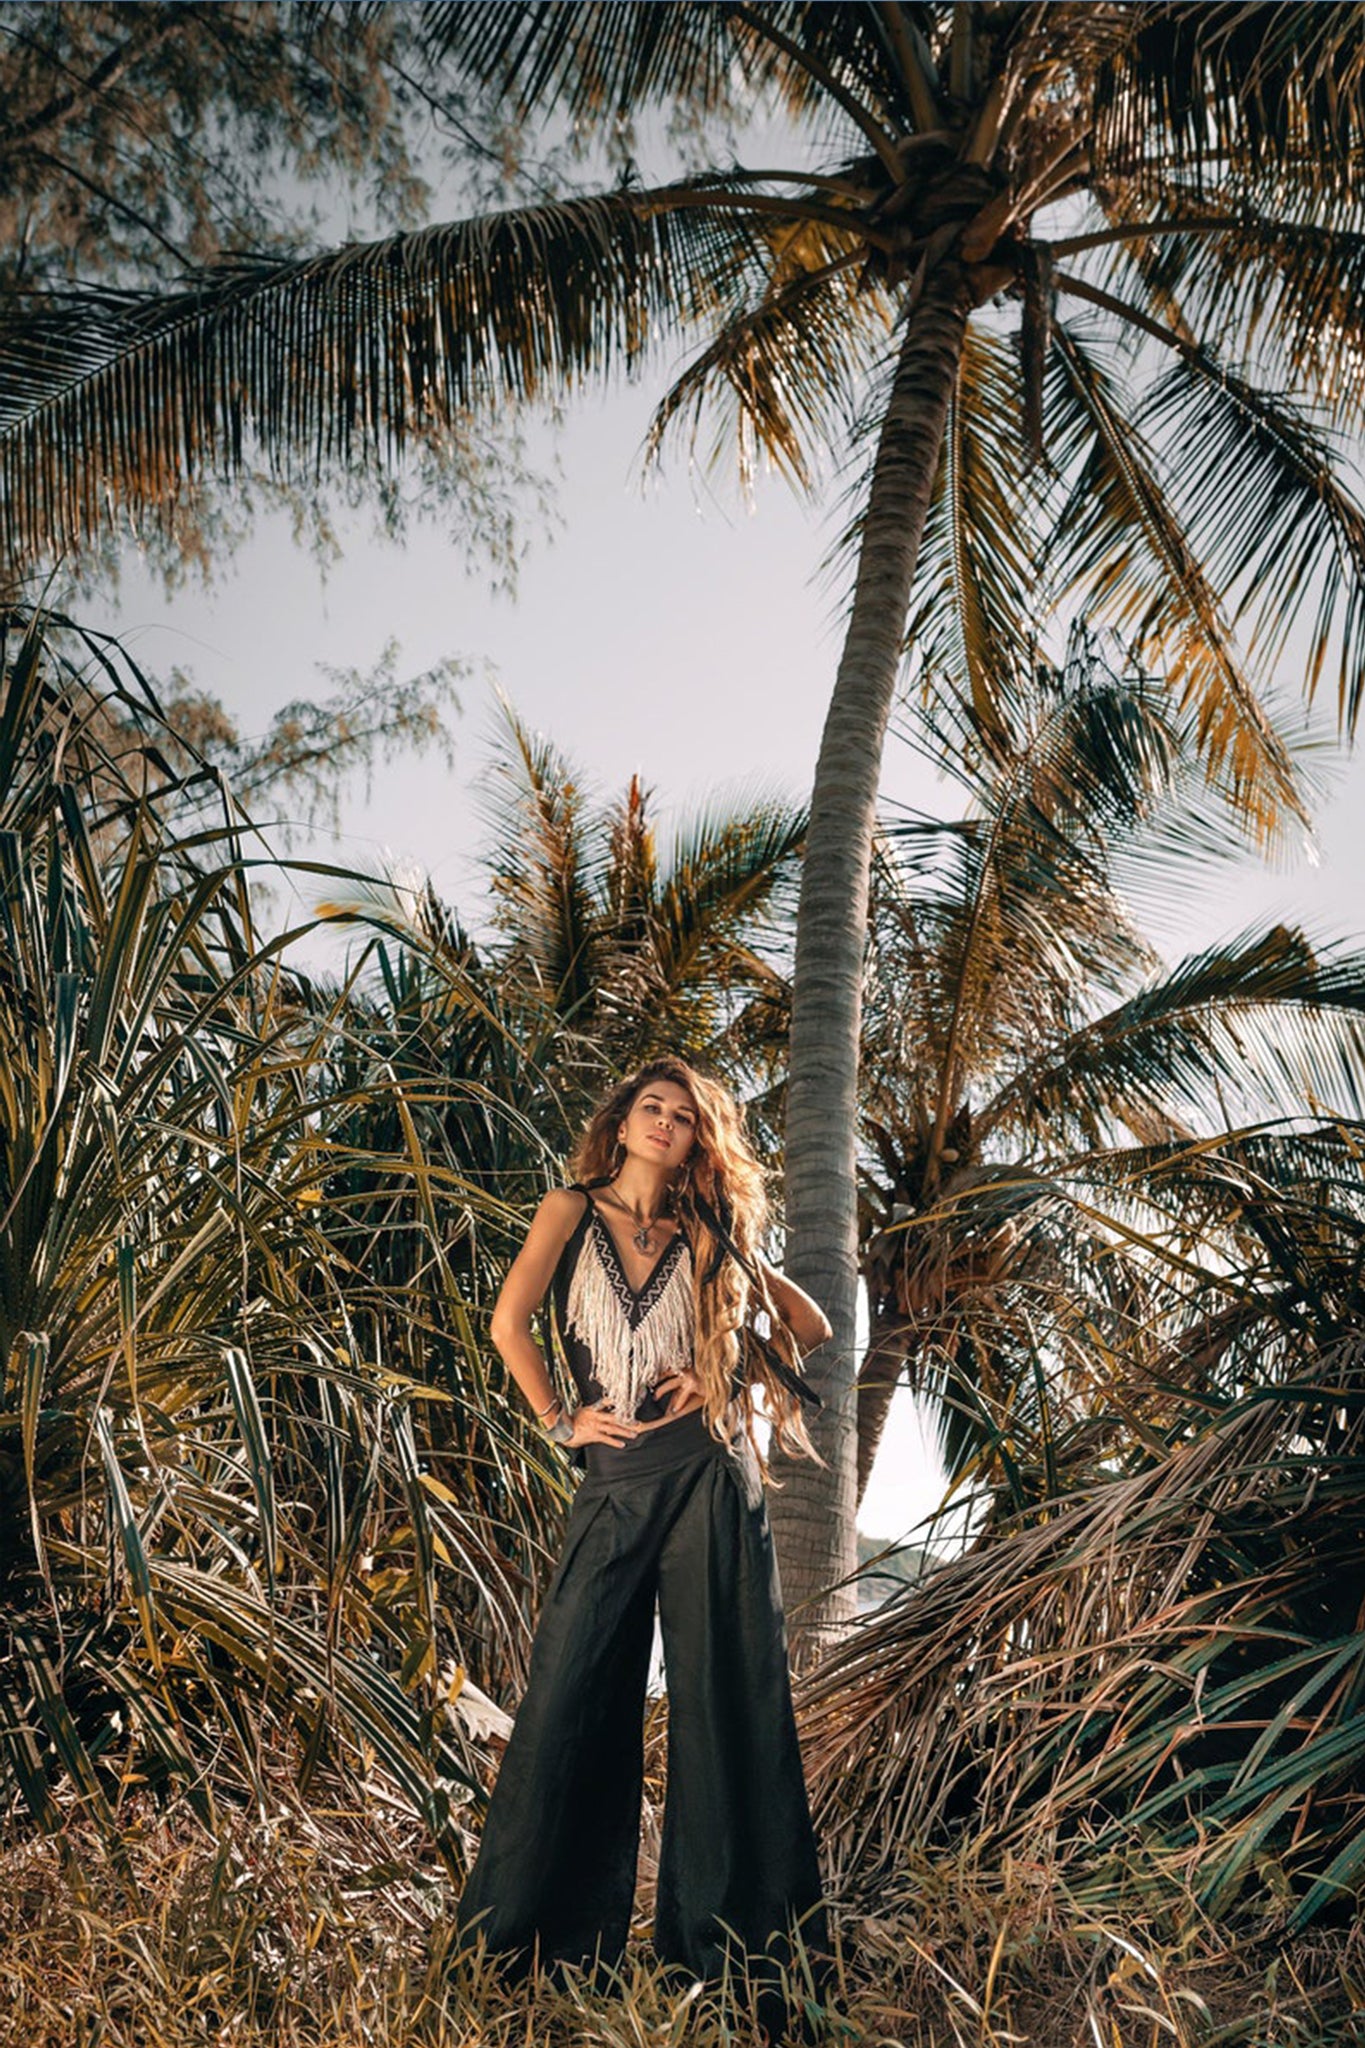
[{"x": 642, "y": 1237}]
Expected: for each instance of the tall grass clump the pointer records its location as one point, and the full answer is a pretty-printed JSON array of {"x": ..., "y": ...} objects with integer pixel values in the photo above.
[{"x": 243, "y": 1239}]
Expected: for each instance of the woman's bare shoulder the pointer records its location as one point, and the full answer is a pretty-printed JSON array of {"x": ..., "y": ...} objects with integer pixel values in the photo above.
[
  {"x": 551, "y": 1228},
  {"x": 560, "y": 1210}
]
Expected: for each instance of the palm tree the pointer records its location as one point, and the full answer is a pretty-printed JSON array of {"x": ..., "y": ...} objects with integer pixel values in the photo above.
[
  {"x": 605, "y": 949},
  {"x": 623, "y": 954},
  {"x": 1165, "y": 192},
  {"x": 1051, "y": 1109}
]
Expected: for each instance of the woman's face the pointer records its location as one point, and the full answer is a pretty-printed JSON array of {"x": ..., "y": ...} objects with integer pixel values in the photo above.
[{"x": 660, "y": 1125}]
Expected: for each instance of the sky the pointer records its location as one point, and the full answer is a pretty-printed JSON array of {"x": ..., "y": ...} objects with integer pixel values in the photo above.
[{"x": 662, "y": 628}]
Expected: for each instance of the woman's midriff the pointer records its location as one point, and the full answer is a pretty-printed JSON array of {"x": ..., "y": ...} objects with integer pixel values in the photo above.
[{"x": 654, "y": 1450}]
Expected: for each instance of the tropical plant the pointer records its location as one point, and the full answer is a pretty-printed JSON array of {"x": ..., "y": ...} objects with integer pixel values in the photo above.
[
  {"x": 1168, "y": 193},
  {"x": 227, "y": 1534},
  {"x": 457, "y": 1074},
  {"x": 1129, "y": 1274},
  {"x": 604, "y": 949},
  {"x": 139, "y": 148},
  {"x": 1148, "y": 1684},
  {"x": 625, "y": 954},
  {"x": 1033, "y": 1068}
]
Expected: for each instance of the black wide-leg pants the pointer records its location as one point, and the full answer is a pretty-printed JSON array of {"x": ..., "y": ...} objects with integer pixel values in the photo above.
[{"x": 679, "y": 1518}]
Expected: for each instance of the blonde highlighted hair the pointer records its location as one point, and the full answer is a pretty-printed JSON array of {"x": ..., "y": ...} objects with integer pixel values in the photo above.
[{"x": 724, "y": 1171}]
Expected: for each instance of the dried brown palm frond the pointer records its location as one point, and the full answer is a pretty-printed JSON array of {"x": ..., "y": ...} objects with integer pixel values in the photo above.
[{"x": 1155, "y": 1685}]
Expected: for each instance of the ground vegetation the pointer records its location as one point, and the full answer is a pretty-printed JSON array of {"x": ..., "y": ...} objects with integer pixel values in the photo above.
[{"x": 1067, "y": 288}]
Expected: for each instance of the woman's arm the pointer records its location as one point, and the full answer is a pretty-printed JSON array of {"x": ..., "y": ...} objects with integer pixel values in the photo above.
[
  {"x": 520, "y": 1296},
  {"x": 804, "y": 1317}
]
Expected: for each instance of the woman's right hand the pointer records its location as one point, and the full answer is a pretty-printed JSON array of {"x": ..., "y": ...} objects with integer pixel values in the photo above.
[{"x": 596, "y": 1422}]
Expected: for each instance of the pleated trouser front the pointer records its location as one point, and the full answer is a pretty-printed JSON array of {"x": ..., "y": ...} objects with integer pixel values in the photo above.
[{"x": 677, "y": 1518}]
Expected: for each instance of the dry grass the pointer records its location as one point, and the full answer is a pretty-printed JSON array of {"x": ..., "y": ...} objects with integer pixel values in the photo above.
[{"x": 330, "y": 1930}]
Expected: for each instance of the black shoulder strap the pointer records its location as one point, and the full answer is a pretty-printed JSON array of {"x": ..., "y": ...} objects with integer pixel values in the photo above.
[
  {"x": 795, "y": 1382},
  {"x": 555, "y": 1290}
]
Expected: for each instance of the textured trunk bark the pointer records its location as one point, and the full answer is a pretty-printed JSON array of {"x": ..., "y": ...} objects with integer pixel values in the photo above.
[{"x": 814, "y": 1509}]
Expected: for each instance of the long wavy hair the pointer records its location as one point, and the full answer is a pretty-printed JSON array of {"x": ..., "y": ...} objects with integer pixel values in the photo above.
[{"x": 724, "y": 1171}]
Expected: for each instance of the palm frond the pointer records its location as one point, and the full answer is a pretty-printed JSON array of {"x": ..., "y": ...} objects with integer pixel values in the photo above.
[
  {"x": 969, "y": 633},
  {"x": 782, "y": 376},
  {"x": 1261, "y": 1016},
  {"x": 1264, "y": 501},
  {"x": 1167, "y": 1665},
  {"x": 689, "y": 971},
  {"x": 723, "y": 875},
  {"x": 631, "y": 884},
  {"x": 1274, "y": 281},
  {"x": 548, "y": 869},
  {"x": 343, "y": 358},
  {"x": 1016, "y": 909},
  {"x": 593, "y": 63},
  {"x": 603, "y": 64},
  {"x": 1253, "y": 85},
  {"x": 1120, "y": 539}
]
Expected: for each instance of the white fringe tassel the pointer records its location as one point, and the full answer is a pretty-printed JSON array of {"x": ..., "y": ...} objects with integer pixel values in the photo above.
[{"x": 627, "y": 1362}]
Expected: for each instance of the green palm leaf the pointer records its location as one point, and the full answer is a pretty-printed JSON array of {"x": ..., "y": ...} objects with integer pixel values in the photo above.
[
  {"x": 1261, "y": 1015},
  {"x": 781, "y": 380},
  {"x": 1120, "y": 538},
  {"x": 370, "y": 348},
  {"x": 1264, "y": 500},
  {"x": 1279, "y": 289},
  {"x": 704, "y": 955},
  {"x": 1016, "y": 909},
  {"x": 546, "y": 870},
  {"x": 970, "y": 625}
]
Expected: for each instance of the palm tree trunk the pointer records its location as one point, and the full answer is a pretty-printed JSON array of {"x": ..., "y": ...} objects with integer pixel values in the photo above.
[{"x": 814, "y": 1509}]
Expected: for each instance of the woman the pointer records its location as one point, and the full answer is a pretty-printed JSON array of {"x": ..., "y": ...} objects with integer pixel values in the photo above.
[{"x": 651, "y": 1261}]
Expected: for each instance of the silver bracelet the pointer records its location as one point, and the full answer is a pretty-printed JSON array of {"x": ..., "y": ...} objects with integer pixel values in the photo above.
[{"x": 561, "y": 1429}]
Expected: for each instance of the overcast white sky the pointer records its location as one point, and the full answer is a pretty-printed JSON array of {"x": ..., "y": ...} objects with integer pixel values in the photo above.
[{"x": 661, "y": 629}]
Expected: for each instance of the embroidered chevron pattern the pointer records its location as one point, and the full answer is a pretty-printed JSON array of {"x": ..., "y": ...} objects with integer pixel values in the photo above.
[{"x": 633, "y": 1338}]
